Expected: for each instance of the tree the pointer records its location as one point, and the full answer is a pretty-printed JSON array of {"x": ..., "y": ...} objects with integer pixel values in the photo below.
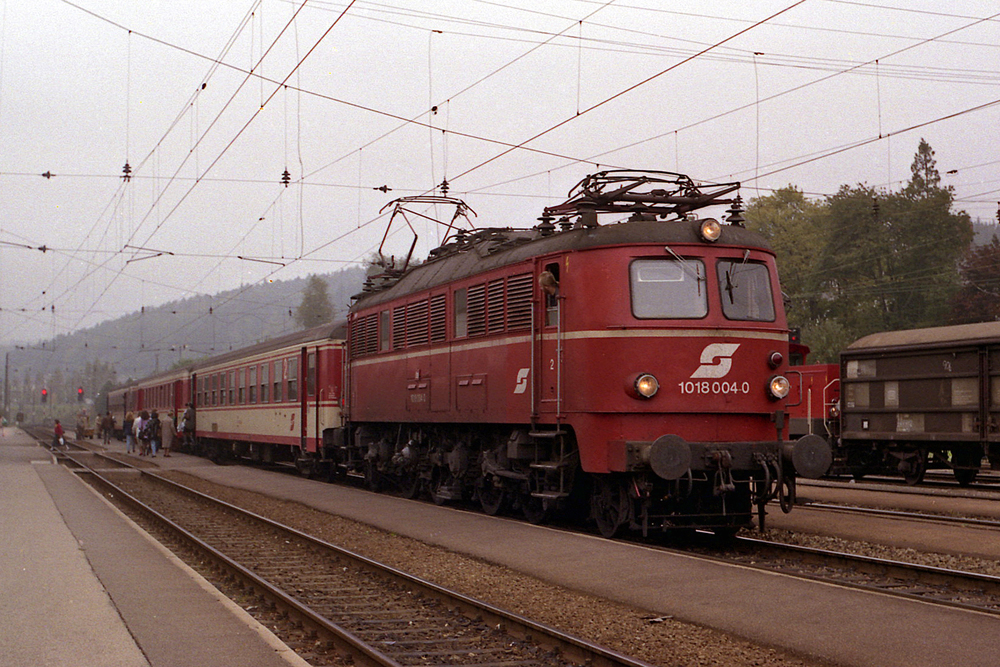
[
  {"x": 866, "y": 259},
  {"x": 315, "y": 308},
  {"x": 978, "y": 300},
  {"x": 788, "y": 220}
]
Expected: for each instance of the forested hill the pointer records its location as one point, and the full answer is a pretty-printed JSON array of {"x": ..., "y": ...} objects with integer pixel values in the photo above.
[
  {"x": 157, "y": 338},
  {"x": 984, "y": 232}
]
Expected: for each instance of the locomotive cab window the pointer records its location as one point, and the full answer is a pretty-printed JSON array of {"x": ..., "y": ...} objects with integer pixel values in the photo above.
[
  {"x": 668, "y": 288},
  {"x": 549, "y": 282},
  {"x": 746, "y": 290}
]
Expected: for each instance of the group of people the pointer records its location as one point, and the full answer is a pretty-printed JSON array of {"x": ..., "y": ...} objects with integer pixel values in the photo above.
[{"x": 149, "y": 433}]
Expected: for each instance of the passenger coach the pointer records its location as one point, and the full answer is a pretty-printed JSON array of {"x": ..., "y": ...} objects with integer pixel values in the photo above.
[{"x": 281, "y": 400}]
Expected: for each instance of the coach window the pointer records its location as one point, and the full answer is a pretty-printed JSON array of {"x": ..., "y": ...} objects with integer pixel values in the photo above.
[
  {"x": 265, "y": 381},
  {"x": 461, "y": 298},
  {"x": 222, "y": 388},
  {"x": 252, "y": 383},
  {"x": 549, "y": 282},
  {"x": 668, "y": 288},
  {"x": 383, "y": 331},
  {"x": 201, "y": 392},
  {"x": 215, "y": 389},
  {"x": 243, "y": 386},
  {"x": 746, "y": 290},
  {"x": 293, "y": 379},
  {"x": 311, "y": 374},
  {"x": 232, "y": 387},
  {"x": 277, "y": 382}
]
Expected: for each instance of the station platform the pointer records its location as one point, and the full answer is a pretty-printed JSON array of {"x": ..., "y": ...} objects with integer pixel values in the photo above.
[{"x": 81, "y": 585}]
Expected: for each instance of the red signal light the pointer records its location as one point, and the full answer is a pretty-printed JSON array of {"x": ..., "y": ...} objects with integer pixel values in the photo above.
[
  {"x": 45, "y": 395},
  {"x": 79, "y": 395}
]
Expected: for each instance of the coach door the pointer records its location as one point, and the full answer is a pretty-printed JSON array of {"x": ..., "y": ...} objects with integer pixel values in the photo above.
[
  {"x": 991, "y": 402},
  {"x": 549, "y": 319}
]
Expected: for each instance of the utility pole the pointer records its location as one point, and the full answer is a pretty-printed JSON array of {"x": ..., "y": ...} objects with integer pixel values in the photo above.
[{"x": 6, "y": 383}]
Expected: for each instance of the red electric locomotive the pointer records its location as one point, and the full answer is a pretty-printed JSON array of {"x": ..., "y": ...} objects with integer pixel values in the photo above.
[{"x": 634, "y": 370}]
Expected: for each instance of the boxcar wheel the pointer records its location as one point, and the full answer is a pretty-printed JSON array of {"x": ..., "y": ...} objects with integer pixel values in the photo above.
[
  {"x": 966, "y": 461},
  {"x": 915, "y": 468}
]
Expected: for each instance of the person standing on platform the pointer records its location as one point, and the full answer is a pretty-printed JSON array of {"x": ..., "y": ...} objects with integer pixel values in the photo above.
[
  {"x": 188, "y": 427},
  {"x": 142, "y": 433},
  {"x": 57, "y": 435},
  {"x": 154, "y": 432},
  {"x": 107, "y": 426},
  {"x": 167, "y": 432},
  {"x": 127, "y": 425}
]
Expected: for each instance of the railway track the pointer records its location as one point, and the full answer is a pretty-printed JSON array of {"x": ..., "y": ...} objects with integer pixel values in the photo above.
[
  {"x": 901, "y": 515},
  {"x": 928, "y": 584},
  {"x": 330, "y": 602},
  {"x": 933, "y": 585}
]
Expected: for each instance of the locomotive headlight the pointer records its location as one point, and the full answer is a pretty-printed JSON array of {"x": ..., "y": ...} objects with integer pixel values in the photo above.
[
  {"x": 710, "y": 230},
  {"x": 778, "y": 387},
  {"x": 646, "y": 385}
]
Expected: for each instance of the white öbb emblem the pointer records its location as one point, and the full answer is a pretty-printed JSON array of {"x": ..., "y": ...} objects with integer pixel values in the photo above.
[
  {"x": 522, "y": 381},
  {"x": 716, "y": 360}
]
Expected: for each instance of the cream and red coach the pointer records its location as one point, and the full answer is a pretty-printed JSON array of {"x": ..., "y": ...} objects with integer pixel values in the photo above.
[{"x": 280, "y": 400}]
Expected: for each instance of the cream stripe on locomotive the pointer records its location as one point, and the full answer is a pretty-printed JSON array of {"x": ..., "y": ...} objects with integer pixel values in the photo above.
[{"x": 577, "y": 335}]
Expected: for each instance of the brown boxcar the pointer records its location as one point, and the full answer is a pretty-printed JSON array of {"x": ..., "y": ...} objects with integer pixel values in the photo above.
[{"x": 922, "y": 398}]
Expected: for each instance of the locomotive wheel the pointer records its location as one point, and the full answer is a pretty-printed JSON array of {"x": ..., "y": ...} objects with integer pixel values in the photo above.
[
  {"x": 372, "y": 477},
  {"x": 492, "y": 495},
  {"x": 535, "y": 510},
  {"x": 409, "y": 484},
  {"x": 609, "y": 505}
]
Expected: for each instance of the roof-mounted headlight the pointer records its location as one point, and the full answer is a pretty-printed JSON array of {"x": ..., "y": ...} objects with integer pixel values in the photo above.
[{"x": 710, "y": 230}]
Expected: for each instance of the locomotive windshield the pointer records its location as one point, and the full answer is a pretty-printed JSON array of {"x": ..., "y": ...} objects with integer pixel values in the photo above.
[
  {"x": 668, "y": 288},
  {"x": 676, "y": 289},
  {"x": 746, "y": 290}
]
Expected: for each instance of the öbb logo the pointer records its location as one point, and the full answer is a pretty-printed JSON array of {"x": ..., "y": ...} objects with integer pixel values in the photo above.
[{"x": 716, "y": 360}]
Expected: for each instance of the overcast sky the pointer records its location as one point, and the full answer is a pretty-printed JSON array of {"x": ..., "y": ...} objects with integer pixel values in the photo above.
[{"x": 817, "y": 94}]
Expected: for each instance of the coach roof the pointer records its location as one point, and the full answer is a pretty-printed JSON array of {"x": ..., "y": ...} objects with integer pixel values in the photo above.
[
  {"x": 960, "y": 334},
  {"x": 329, "y": 331}
]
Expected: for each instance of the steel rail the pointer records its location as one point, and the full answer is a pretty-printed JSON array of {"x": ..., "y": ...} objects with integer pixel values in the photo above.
[
  {"x": 571, "y": 648},
  {"x": 900, "y": 514},
  {"x": 883, "y": 567}
]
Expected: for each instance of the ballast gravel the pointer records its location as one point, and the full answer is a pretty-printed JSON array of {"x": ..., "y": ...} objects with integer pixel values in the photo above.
[{"x": 634, "y": 632}]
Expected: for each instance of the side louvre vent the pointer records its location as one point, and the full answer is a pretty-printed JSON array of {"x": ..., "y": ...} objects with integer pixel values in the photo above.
[
  {"x": 399, "y": 327},
  {"x": 477, "y": 310},
  {"x": 416, "y": 323},
  {"x": 439, "y": 318},
  {"x": 519, "y": 302},
  {"x": 494, "y": 307}
]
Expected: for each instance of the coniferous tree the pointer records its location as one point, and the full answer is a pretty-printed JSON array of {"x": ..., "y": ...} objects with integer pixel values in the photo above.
[{"x": 315, "y": 308}]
